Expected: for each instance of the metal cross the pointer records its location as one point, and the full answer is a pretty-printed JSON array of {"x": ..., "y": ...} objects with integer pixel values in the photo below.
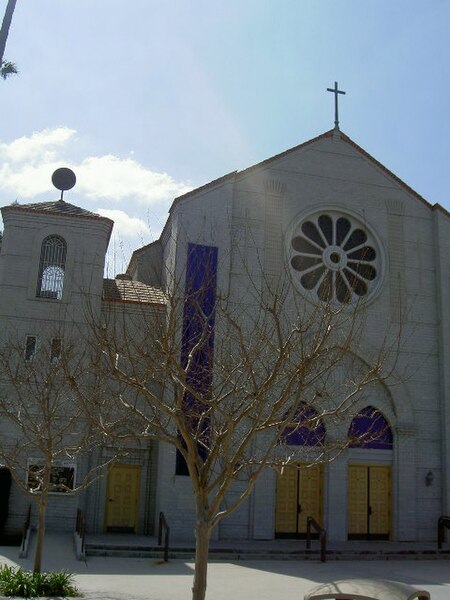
[{"x": 335, "y": 92}]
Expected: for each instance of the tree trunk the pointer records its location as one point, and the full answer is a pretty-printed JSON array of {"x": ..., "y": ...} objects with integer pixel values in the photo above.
[
  {"x": 202, "y": 535},
  {"x": 5, "y": 27},
  {"x": 42, "y": 509}
]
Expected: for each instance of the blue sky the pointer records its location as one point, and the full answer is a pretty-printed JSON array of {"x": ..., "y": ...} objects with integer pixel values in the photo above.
[{"x": 145, "y": 99}]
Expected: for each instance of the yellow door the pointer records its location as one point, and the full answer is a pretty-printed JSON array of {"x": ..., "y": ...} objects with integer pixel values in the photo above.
[
  {"x": 310, "y": 496},
  {"x": 358, "y": 500},
  {"x": 122, "y": 498},
  {"x": 299, "y": 496},
  {"x": 380, "y": 501},
  {"x": 287, "y": 501},
  {"x": 369, "y": 502}
]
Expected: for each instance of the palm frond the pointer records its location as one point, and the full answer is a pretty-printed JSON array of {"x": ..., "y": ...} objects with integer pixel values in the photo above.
[{"x": 7, "y": 68}]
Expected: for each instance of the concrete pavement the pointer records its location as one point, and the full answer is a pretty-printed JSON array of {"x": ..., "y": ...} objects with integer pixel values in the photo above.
[{"x": 105, "y": 578}]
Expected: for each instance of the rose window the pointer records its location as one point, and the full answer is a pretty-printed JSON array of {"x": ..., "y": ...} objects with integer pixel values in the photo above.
[{"x": 334, "y": 258}]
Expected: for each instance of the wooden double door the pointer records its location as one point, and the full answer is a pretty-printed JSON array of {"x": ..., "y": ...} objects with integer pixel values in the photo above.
[
  {"x": 369, "y": 502},
  {"x": 298, "y": 496},
  {"x": 122, "y": 498}
]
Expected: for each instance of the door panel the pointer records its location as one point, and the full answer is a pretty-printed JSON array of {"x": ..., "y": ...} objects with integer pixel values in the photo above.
[
  {"x": 380, "y": 500},
  {"x": 122, "y": 498},
  {"x": 358, "y": 500},
  {"x": 299, "y": 495},
  {"x": 369, "y": 502},
  {"x": 287, "y": 501},
  {"x": 310, "y": 496}
]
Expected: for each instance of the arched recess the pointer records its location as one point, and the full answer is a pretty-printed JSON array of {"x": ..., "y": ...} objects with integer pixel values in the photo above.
[
  {"x": 299, "y": 488},
  {"x": 369, "y": 487},
  {"x": 390, "y": 397}
]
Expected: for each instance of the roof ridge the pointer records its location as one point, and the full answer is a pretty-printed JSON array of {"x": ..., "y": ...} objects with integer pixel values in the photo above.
[
  {"x": 56, "y": 207},
  {"x": 390, "y": 173}
]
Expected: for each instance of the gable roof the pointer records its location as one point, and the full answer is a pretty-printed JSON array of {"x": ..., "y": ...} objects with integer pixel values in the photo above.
[
  {"x": 328, "y": 134},
  {"x": 131, "y": 292}
]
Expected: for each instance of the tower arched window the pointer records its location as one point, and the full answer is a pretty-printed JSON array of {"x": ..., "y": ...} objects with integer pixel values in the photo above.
[{"x": 52, "y": 267}]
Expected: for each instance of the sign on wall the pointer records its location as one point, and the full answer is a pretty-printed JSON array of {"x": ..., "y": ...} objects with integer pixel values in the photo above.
[{"x": 62, "y": 476}]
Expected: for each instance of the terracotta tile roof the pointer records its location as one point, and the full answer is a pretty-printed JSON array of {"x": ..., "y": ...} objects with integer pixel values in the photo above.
[
  {"x": 134, "y": 292},
  {"x": 58, "y": 207}
]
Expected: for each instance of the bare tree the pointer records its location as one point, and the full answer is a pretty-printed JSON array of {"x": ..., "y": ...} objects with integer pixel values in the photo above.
[
  {"x": 43, "y": 430},
  {"x": 226, "y": 381}
]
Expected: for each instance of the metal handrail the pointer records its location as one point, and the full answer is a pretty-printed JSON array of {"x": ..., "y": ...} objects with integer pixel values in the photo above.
[
  {"x": 25, "y": 528},
  {"x": 311, "y": 522},
  {"x": 443, "y": 522},
  {"x": 80, "y": 527},
  {"x": 164, "y": 526}
]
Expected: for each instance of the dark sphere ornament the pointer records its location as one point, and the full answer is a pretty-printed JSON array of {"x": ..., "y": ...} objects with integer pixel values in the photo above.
[{"x": 64, "y": 179}]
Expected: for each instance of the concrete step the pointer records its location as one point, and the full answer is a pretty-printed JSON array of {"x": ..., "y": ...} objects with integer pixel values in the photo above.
[{"x": 188, "y": 552}]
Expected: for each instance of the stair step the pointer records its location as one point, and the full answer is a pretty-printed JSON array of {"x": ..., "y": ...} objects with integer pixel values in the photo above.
[{"x": 186, "y": 553}]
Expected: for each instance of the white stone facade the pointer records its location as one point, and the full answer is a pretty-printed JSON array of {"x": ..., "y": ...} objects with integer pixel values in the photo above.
[{"x": 252, "y": 217}]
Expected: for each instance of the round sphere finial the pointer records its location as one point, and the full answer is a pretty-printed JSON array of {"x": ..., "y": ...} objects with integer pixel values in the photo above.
[{"x": 64, "y": 179}]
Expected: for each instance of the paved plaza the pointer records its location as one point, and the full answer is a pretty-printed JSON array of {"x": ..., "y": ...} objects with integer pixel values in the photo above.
[{"x": 106, "y": 578}]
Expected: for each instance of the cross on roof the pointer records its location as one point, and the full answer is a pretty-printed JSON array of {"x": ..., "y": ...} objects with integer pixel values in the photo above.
[{"x": 335, "y": 92}]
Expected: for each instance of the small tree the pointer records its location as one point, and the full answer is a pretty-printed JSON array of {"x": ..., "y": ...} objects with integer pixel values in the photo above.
[
  {"x": 42, "y": 426},
  {"x": 225, "y": 379}
]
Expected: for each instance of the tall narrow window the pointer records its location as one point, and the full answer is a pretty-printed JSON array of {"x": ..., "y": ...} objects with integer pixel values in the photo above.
[
  {"x": 51, "y": 268},
  {"x": 30, "y": 348}
]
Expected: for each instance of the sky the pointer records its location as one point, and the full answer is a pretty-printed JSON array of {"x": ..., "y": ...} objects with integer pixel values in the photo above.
[{"x": 146, "y": 100}]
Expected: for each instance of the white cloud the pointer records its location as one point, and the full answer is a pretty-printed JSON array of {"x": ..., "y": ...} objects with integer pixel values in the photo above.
[
  {"x": 27, "y": 164},
  {"x": 27, "y": 180},
  {"x": 124, "y": 225},
  {"x": 41, "y": 146},
  {"x": 119, "y": 178}
]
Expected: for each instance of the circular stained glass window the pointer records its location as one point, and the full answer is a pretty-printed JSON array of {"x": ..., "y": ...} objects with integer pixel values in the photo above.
[{"x": 334, "y": 258}]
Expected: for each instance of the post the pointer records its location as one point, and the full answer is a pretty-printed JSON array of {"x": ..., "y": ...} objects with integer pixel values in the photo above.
[{"x": 308, "y": 533}]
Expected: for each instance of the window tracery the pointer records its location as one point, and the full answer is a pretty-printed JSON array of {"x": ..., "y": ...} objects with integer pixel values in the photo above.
[
  {"x": 334, "y": 258},
  {"x": 52, "y": 268}
]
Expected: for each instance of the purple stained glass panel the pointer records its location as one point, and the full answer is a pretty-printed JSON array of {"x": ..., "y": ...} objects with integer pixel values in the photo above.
[
  {"x": 307, "y": 429},
  {"x": 370, "y": 429},
  {"x": 198, "y": 340}
]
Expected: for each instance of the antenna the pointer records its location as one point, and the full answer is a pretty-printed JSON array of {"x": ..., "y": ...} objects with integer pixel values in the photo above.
[{"x": 64, "y": 179}]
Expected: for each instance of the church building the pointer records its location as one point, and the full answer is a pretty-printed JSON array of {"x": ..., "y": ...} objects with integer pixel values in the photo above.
[{"x": 343, "y": 229}]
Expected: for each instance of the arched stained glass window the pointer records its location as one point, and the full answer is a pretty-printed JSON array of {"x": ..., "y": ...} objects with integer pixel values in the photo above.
[
  {"x": 52, "y": 266},
  {"x": 307, "y": 428},
  {"x": 370, "y": 429}
]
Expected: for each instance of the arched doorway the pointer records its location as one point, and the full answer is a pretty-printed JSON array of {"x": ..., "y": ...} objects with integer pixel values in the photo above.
[
  {"x": 299, "y": 488},
  {"x": 369, "y": 483}
]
